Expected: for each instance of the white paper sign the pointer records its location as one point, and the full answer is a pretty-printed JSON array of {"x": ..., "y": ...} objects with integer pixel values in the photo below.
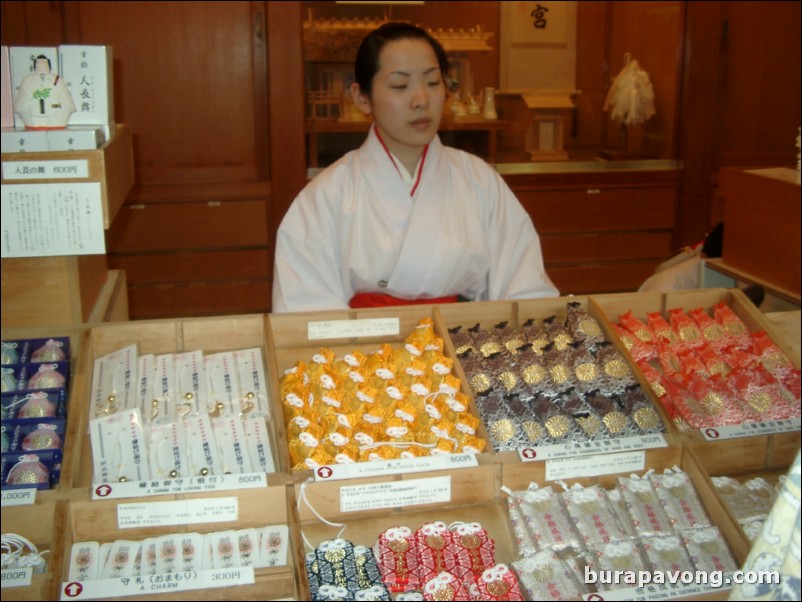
[
  {"x": 16, "y": 577},
  {"x": 395, "y": 494},
  {"x": 156, "y": 584},
  {"x": 657, "y": 592},
  {"x": 110, "y": 491},
  {"x": 335, "y": 472},
  {"x": 589, "y": 466},
  {"x": 751, "y": 429},
  {"x": 181, "y": 512},
  {"x": 367, "y": 327},
  {"x": 44, "y": 220},
  {"x": 72, "y": 169},
  {"x": 19, "y": 497},
  {"x": 585, "y": 448}
]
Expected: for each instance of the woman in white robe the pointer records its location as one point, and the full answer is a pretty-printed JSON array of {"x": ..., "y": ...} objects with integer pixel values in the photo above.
[{"x": 404, "y": 218}]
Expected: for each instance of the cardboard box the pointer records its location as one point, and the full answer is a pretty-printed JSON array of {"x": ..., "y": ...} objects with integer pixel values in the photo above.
[
  {"x": 255, "y": 508},
  {"x": 111, "y": 166},
  {"x": 89, "y": 74},
  {"x": 761, "y": 217}
]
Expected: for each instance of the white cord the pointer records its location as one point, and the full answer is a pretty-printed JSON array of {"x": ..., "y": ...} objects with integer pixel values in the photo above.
[{"x": 302, "y": 497}]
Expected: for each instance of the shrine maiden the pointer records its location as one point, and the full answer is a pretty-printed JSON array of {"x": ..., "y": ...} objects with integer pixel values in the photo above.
[{"x": 404, "y": 219}]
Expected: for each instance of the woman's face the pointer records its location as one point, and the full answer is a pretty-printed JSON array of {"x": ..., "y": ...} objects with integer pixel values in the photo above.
[{"x": 407, "y": 97}]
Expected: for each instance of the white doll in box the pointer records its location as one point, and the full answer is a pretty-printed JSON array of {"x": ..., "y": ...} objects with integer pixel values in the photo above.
[{"x": 44, "y": 102}]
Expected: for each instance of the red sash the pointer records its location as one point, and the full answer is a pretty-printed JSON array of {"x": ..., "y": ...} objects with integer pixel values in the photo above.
[{"x": 363, "y": 300}]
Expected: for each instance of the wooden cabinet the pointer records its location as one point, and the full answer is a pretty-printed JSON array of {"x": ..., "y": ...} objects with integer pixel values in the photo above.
[
  {"x": 600, "y": 231},
  {"x": 194, "y": 84}
]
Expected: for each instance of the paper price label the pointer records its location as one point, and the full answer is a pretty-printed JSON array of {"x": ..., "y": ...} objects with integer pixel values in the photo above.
[
  {"x": 585, "y": 448},
  {"x": 18, "y": 497},
  {"x": 662, "y": 591},
  {"x": 588, "y": 466},
  {"x": 336, "y": 472},
  {"x": 395, "y": 494},
  {"x": 367, "y": 327},
  {"x": 110, "y": 491},
  {"x": 16, "y": 577},
  {"x": 751, "y": 429},
  {"x": 156, "y": 584},
  {"x": 45, "y": 170},
  {"x": 182, "y": 512}
]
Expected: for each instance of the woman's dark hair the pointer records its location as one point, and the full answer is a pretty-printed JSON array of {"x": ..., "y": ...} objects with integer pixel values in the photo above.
[{"x": 367, "y": 57}]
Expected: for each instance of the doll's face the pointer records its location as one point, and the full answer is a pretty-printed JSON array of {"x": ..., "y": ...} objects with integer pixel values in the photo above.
[
  {"x": 407, "y": 97},
  {"x": 42, "y": 66}
]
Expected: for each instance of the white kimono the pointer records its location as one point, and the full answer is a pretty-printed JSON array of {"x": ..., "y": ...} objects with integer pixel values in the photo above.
[{"x": 356, "y": 228}]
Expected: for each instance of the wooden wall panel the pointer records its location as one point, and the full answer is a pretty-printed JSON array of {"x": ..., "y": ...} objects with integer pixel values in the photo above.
[{"x": 761, "y": 94}]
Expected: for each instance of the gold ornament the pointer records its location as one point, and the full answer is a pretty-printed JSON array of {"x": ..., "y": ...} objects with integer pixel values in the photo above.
[
  {"x": 558, "y": 426},
  {"x": 502, "y": 430},
  {"x": 616, "y": 368},
  {"x": 587, "y": 371},
  {"x": 646, "y": 418},
  {"x": 533, "y": 374},
  {"x": 509, "y": 380},
  {"x": 559, "y": 373},
  {"x": 615, "y": 422},
  {"x": 533, "y": 430}
]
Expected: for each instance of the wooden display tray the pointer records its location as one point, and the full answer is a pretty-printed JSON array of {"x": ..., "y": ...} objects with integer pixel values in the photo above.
[
  {"x": 743, "y": 459},
  {"x": 476, "y": 496},
  {"x": 79, "y": 369},
  {"x": 38, "y": 291},
  {"x": 97, "y": 521},
  {"x": 210, "y": 335},
  {"x": 613, "y": 306},
  {"x": 112, "y": 165},
  {"x": 42, "y": 524},
  {"x": 516, "y": 313},
  {"x": 289, "y": 343}
]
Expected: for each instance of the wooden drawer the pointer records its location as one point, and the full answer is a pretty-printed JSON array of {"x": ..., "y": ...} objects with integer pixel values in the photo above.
[
  {"x": 600, "y": 209},
  {"x": 187, "y": 267},
  {"x": 205, "y": 299},
  {"x": 563, "y": 248},
  {"x": 183, "y": 226},
  {"x": 588, "y": 278}
]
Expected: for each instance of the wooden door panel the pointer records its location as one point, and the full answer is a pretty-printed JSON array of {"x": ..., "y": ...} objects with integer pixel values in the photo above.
[{"x": 185, "y": 81}]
